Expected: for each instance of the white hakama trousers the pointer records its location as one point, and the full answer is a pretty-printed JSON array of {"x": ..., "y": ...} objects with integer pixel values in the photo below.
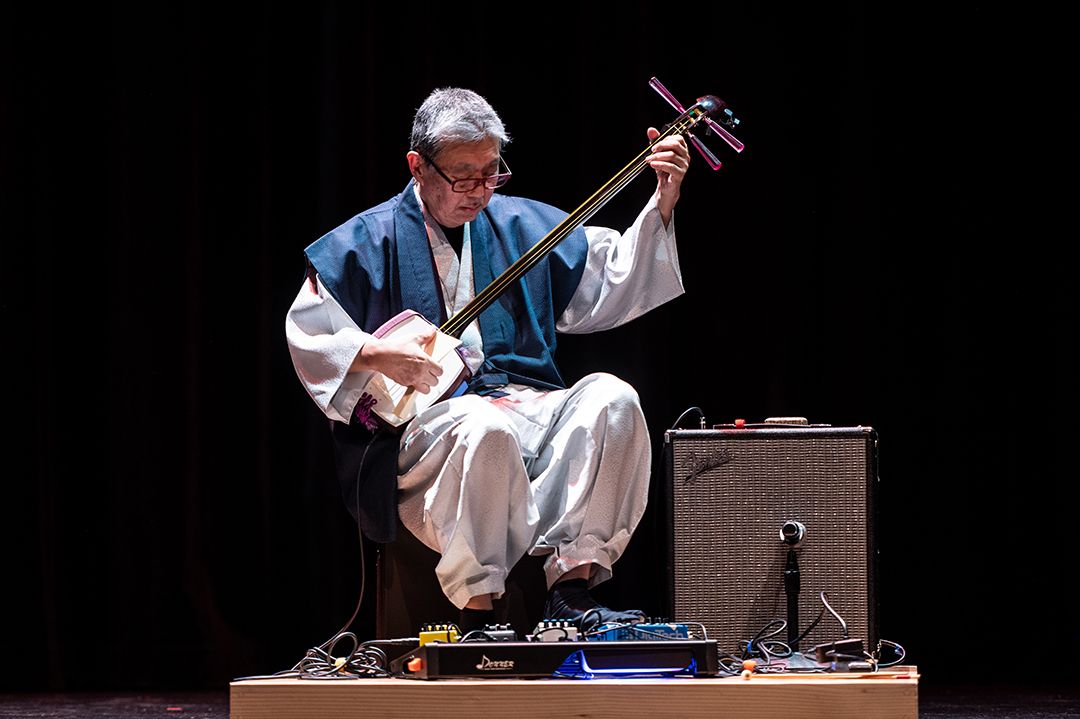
[{"x": 484, "y": 480}]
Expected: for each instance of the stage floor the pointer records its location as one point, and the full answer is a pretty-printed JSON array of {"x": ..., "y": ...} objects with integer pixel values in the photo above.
[
  {"x": 999, "y": 696},
  {"x": 889, "y": 694}
]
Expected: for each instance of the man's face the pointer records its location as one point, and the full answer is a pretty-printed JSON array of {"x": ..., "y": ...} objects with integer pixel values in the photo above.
[{"x": 459, "y": 161}]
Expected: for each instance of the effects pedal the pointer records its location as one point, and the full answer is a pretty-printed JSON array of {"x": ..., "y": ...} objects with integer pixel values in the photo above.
[
  {"x": 842, "y": 649},
  {"x": 555, "y": 630},
  {"x": 445, "y": 633},
  {"x": 497, "y": 633},
  {"x": 640, "y": 632}
]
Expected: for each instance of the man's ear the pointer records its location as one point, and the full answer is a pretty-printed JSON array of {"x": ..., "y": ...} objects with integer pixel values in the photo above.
[{"x": 415, "y": 163}]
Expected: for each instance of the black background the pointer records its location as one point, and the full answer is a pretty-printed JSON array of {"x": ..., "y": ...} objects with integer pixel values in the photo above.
[{"x": 881, "y": 254}]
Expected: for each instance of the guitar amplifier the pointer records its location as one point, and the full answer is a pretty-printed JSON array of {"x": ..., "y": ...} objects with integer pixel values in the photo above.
[{"x": 763, "y": 519}]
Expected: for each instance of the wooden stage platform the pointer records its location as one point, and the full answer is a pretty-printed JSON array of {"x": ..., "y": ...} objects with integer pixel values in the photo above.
[{"x": 891, "y": 694}]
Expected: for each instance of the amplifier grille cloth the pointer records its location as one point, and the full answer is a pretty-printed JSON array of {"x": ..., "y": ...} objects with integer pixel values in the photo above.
[{"x": 728, "y": 556}]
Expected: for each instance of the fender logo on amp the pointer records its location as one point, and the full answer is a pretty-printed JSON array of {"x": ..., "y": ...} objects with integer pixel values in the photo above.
[{"x": 700, "y": 464}]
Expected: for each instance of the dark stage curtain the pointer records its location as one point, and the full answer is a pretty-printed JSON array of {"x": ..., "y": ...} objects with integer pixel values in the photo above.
[{"x": 881, "y": 254}]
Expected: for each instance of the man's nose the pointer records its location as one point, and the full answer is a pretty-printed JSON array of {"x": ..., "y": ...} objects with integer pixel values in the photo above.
[{"x": 478, "y": 191}]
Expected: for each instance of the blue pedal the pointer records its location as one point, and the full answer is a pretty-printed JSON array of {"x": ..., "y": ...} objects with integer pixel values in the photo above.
[{"x": 642, "y": 632}]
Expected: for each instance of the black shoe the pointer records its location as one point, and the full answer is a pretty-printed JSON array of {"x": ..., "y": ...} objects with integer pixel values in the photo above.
[
  {"x": 570, "y": 600},
  {"x": 473, "y": 619}
]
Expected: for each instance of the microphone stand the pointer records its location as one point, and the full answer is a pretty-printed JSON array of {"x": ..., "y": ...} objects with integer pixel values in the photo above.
[
  {"x": 791, "y": 534},
  {"x": 791, "y": 589}
]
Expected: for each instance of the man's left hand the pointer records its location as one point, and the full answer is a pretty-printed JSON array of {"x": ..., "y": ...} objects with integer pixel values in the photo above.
[{"x": 671, "y": 159}]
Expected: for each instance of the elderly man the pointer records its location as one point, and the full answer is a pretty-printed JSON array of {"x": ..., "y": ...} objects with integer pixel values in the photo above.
[{"x": 518, "y": 463}]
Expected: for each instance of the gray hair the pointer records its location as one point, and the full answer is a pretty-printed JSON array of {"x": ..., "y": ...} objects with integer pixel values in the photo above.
[{"x": 453, "y": 114}]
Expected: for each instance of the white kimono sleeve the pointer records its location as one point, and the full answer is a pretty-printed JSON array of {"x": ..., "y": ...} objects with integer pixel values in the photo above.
[
  {"x": 626, "y": 275},
  {"x": 324, "y": 341}
]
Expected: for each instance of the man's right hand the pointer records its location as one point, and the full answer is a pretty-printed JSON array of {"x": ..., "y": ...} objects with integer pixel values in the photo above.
[{"x": 404, "y": 360}]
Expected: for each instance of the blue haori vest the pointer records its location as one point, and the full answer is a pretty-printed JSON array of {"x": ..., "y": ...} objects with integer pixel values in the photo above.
[{"x": 379, "y": 263}]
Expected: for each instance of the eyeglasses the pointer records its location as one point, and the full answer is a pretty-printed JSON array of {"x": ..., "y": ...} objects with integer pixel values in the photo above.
[{"x": 471, "y": 183}]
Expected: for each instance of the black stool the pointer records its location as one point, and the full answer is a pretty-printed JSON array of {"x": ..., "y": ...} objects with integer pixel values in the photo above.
[{"x": 408, "y": 594}]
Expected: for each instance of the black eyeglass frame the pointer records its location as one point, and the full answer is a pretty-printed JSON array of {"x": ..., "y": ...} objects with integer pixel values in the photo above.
[{"x": 468, "y": 184}]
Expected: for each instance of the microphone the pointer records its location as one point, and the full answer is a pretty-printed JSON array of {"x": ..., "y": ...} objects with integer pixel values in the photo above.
[{"x": 792, "y": 532}]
